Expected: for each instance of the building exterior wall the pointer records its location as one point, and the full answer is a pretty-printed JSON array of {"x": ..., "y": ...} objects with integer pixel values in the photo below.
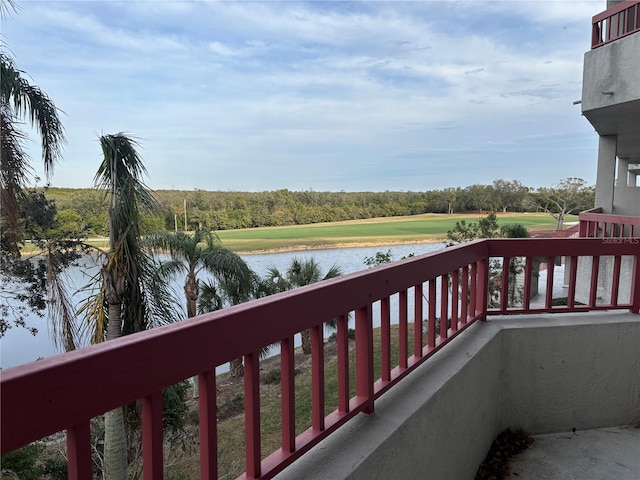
[
  {"x": 610, "y": 75},
  {"x": 611, "y": 102},
  {"x": 544, "y": 374}
]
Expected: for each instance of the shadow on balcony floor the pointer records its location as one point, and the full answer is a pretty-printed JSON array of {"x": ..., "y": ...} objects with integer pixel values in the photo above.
[{"x": 602, "y": 454}]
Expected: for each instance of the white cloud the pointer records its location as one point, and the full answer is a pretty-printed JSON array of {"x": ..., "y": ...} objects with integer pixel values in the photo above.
[{"x": 230, "y": 87}]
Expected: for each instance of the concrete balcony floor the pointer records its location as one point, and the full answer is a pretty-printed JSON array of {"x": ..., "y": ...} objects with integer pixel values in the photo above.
[{"x": 601, "y": 454}]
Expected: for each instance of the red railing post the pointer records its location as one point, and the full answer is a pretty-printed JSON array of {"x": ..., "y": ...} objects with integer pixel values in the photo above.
[
  {"x": 252, "y": 414},
  {"x": 548, "y": 300},
  {"x": 455, "y": 297},
  {"x": 364, "y": 357},
  {"x": 444, "y": 306},
  {"x": 593, "y": 287},
  {"x": 208, "y": 425},
  {"x": 317, "y": 377},
  {"x": 615, "y": 284},
  {"x": 80, "y": 465},
  {"x": 385, "y": 339},
  {"x": 504, "y": 284},
  {"x": 152, "y": 436},
  {"x": 431, "y": 321},
  {"x": 464, "y": 300},
  {"x": 483, "y": 288},
  {"x": 403, "y": 330},
  {"x": 528, "y": 280},
  {"x": 473, "y": 293},
  {"x": 287, "y": 394},
  {"x": 342, "y": 341},
  {"x": 417, "y": 321}
]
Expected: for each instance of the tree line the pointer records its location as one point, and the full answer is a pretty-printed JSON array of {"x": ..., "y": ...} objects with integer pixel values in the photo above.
[{"x": 86, "y": 209}]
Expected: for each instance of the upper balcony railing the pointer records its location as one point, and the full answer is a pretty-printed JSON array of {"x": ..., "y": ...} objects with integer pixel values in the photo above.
[
  {"x": 432, "y": 298},
  {"x": 594, "y": 223},
  {"x": 615, "y": 22}
]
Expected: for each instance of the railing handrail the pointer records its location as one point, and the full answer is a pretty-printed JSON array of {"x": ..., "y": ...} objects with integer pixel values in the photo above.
[
  {"x": 590, "y": 215},
  {"x": 605, "y": 18},
  {"x": 67, "y": 391},
  {"x": 593, "y": 223},
  {"x": 23, "y": 386}
]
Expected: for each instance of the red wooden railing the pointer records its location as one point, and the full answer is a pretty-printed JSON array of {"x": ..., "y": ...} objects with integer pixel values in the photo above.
[
  {"x": 571, "y": 232},
  {"x": 447, "y": 288},
  {"x": 593, "y": 223},
  {"x": 615, "y": 22}
]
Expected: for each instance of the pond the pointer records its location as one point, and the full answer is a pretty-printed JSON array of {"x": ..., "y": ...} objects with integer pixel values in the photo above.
[{"x": 18, "y": 346}]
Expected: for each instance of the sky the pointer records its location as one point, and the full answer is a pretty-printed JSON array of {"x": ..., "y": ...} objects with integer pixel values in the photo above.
[{"x": 327, "y": 95}]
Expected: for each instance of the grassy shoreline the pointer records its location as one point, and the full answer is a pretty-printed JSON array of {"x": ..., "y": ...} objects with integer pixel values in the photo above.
[{"x": 424, "y": 228}]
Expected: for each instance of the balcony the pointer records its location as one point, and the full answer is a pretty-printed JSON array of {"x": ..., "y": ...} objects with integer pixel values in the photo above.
[
  {"x": 484, "y": 368},
  {"x": 616, "y": 22}
]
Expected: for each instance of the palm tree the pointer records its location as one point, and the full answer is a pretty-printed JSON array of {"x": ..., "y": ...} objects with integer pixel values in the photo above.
[
  {"x": 203, "y": 251},
  {"x": 131, "y": 297},
  {"x": 216, "y": 297},
  {"x": 300, "y": 273},
  {"x": 19, "y": 99}
]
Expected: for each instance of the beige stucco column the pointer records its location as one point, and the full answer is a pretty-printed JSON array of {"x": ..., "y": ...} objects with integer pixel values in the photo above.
[
  {"x": 623, "y": 169},
  {"x": 606, "y": 174}
]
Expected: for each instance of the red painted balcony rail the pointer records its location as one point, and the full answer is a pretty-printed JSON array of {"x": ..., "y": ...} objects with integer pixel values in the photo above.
[
  {"x": 615, "y": 22},
  {"x": 596, "y": 224},
  {"x": 571, "y": 232},
  {"x": 432, "y": 298}
]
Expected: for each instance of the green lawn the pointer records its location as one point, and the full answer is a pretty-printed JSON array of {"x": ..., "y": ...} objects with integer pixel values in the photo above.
[
  {"x": 377, "y": 231},
  {"x": 418, "y": 228}
]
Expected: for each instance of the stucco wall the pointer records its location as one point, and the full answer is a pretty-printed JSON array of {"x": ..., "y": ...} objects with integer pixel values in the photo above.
[
  {"x": 626, "y": 200},
  {"x": 611, "y": 68},
  {"x": 544, "y": 373}
]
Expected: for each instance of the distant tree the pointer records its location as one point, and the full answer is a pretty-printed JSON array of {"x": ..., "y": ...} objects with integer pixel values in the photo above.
[
  {"x": 479, "y": 197},
  {"x": 300, "y": 273},
  {"x": 571, "y": 195},
  {"x": 33, "y": 283},
  {"x": 450, "y": 196},
  {"x": 509, "y": 194},
  {"x": 487, "y": 227}
]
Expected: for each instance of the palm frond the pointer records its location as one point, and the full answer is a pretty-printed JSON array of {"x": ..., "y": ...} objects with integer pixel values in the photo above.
[
  {"x": 61, "y": 312},
  {"x": 209, "y": 299},
  {"x": 333, "y": 272},
  {"x": 146, "y": 299},
  {"x": 14, "y": 171},
  {"x": 7, "y": 6},
  {"x": 29, "y": 101},
  {"x": 94, "y": 311}
]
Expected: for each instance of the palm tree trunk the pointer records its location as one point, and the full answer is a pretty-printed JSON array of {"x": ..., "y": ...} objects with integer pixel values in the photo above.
[
  {"x": 191, "y": 292},
  {"x": 115, "y": 439},
  {"x": 236, "y": 368},
  {"x": 306, "y": 342}
]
